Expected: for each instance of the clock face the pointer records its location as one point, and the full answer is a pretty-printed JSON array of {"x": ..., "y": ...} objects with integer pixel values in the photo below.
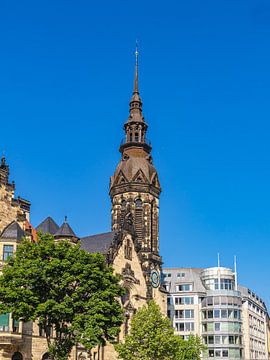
[{"x": 155, "y": 279}]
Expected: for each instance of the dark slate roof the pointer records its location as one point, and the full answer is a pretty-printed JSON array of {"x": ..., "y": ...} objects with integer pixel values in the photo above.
[
  {"x": 48, "y": 226},
  {"x": 98, "y": 243},
  {"x": 65, "y": 230},
  {"x": 13, "y": 231}
]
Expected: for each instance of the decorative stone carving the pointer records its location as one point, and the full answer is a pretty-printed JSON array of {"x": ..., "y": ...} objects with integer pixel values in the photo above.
[{"x": 128, "y": 274}]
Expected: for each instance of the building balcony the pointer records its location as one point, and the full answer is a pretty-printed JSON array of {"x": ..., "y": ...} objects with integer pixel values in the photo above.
[{"x": 145, "y": 144}]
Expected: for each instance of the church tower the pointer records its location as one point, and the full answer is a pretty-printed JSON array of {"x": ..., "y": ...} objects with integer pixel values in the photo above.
[{"x": 134, "y": 187}]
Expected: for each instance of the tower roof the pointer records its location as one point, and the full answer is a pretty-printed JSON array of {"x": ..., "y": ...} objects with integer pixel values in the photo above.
[
  {"x": 135, "y": 105},
  {"x": 13, "y": 231},
  {"x": 48, "y": 226},
  {"x": 65, "y": 231},
  {"x": 136, "y": 167}
]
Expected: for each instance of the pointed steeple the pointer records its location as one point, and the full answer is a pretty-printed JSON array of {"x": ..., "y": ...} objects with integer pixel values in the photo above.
[
  {"x": 135, "y": 105},
  {"x": 135, "y": 127}
]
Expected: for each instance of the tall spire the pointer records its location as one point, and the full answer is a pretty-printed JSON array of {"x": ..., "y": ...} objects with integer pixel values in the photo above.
[
  {"x": 136, "y": 88},
  {"x": 136, "y": 102},
  {"x": 135, "y": 127}
]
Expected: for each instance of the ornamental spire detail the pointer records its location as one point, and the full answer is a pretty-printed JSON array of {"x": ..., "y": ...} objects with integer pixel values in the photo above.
[{"x": 135, "y": 127}]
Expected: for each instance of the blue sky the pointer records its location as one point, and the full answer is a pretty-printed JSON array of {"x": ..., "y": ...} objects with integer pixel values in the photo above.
[{"x": 66, "y": 70}]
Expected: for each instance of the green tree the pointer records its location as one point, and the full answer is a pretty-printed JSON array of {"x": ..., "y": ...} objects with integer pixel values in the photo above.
[
  {"x": 152, "y": 337},
  {"x": 190, "y": 349},
  {"x": 66, "y": 289}
]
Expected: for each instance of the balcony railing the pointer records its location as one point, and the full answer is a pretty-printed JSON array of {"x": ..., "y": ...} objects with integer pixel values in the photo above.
[{"x": 146, "y": 142}]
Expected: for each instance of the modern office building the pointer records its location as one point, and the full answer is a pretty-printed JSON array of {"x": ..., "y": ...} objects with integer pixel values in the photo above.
[{"x": 231, "y": 319}]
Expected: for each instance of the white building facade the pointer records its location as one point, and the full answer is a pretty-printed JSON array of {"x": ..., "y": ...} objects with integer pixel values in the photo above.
[{"x": 231, "y": 320}]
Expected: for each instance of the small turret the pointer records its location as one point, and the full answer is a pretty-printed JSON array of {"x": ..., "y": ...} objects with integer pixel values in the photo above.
[{"x": 66, "y": 232}]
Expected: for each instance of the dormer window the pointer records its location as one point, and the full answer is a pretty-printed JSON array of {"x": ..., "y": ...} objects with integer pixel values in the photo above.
[{"x": 7, "y": 252}]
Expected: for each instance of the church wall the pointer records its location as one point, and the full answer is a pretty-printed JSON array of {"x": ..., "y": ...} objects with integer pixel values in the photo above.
[{"x": 8, "y": 212}]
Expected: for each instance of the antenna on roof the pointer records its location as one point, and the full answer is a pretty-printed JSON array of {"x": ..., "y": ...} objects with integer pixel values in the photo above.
[
  {"x": 219, "y": 272},
  {"x": 235, "y": 274}
]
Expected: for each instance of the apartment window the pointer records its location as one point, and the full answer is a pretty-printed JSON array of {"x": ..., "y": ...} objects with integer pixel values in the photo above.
[
  {"x": 217, "y": 313},
  {"x": 211, "y": 339},
  {"x": 180, "y": 326},
  {"x": 225, "y": 353},
  {"x": 226, "y": 284},
  {"x": 210, "y": 301},
  {"x": 189, "y": 314},
  {"x": 211, "y": 353},
  {"x": 218, "y": 353},
  {"x": 210, "y": 314},
  {"x": 179, "y": 314},
  {"x": 7, "y": 251},
  {"x": 184, "y": 300},
  {"x": 184, "y": 314},
  {"x": 189, "y": 326},
  {"x": 181, "y": 274},
  {"x": 224, "y": 314},
  {"x": 184, "y": 287},
  {"x": 185, "y": 326},
  {"x": 217, "y": 326}
]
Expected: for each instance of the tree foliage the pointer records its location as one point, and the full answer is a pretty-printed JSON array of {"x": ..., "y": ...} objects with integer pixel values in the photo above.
[
  {"x": 152, "y": 337},
  {"x": 66, "y": 289}
]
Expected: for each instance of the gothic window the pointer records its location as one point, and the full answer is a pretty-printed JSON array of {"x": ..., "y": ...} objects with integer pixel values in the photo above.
[
  {"x": 128, "y": 250},
  {"x": 136, "y": 137},
  {"x": 130, "y": 137},
  {"x": 17, "y": 356},
  {"x": 125, "y": 297}
]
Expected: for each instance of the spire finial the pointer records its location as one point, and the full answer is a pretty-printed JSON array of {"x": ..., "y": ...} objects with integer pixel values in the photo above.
[
  {"x": 136, "y": 89},
  {"x": 65, "y": 219}
]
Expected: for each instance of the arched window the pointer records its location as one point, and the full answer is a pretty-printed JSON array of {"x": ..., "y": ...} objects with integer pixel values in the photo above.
[
  {"x": 17, "y": 356},
  {"x": 45, "y": 356}
]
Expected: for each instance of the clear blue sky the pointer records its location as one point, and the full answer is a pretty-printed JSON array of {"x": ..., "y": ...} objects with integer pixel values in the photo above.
[{"x": 66, "y": 70}]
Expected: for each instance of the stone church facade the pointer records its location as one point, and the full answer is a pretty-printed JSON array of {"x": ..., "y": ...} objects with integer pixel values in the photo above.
[{"x": 132, "y": 246}]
